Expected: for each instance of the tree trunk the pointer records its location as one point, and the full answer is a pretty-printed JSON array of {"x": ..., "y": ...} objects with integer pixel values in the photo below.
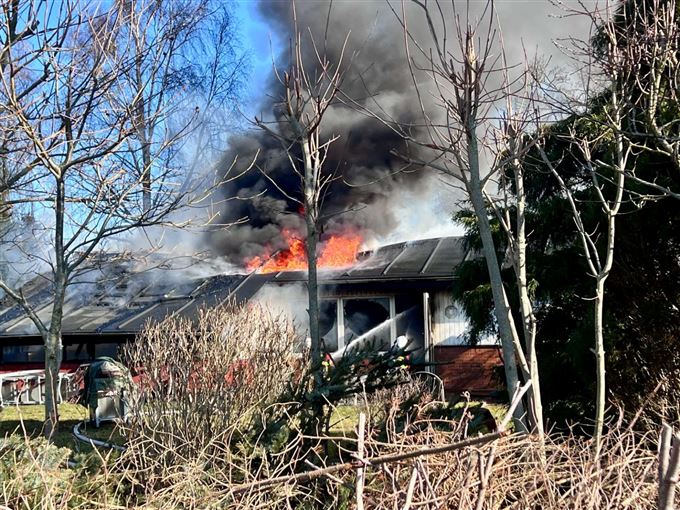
[
  {"x": 5, "y": 221},
  {"x": 310, "y": 186},
  {"x": 52, "y": 337},
  {"x": 601, "y": 276},
  {"x": 53, "y": 358},
  {"x": 143, "y": 128},
  {"x": 146, "y": 178},
  {"x": 144, "y": 140},
  {"x": 506, "y": 328},
  {"x": 5, "y": 225},
  {"x": 600, "y": 398},
  {"x": 310, "y": 182},
  {"x": 313, "y": 296},
  {"x": 526, "y": 307}
]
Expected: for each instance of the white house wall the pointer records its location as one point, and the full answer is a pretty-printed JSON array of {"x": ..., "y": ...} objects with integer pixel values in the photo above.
[{"x": 449, "y": 322}]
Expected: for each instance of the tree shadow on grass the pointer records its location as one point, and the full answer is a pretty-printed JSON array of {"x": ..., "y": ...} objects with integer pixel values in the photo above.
[
  {"x": 63, "y": 438},
  {"x": 27, "y": 421}
]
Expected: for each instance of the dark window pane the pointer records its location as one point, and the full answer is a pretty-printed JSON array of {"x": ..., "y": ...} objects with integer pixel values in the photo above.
[
  {"x": 110, "y": 350},
  {"x": 409, "y": 319},
  {"x": 23, "y": 353},
  {"x": 403, "y": 302},
  {"x": 76, "y": 352},
  {"x": 328, "y": 324},
  {"x": 367, "y": 322}
]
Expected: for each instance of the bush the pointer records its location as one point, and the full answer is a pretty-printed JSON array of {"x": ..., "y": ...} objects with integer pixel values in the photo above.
[
  {"x": 34, "y": 474},
  {"x": 199, "y": 381},
  {"x": 30, "y": 469}
]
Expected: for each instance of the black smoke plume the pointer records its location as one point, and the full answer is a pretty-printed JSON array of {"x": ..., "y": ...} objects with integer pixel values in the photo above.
[
  {"x": 368, "y": 195},
  {"x": 367, "y": 175}
]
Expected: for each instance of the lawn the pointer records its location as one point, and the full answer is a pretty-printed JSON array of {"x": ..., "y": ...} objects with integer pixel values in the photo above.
[
  {"x": 345, "y": 418},
  {"x": 30, "y": 418}
]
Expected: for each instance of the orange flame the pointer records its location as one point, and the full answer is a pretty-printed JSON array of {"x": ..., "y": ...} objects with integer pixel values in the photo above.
[{"x": 337, "y": 251}]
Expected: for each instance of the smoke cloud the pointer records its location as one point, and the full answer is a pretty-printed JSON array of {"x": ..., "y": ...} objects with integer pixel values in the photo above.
[{"x": 368, "y": 193}]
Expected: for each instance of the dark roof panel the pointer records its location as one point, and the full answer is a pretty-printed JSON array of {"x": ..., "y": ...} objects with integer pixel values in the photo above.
[
  {"x": 375, "y": 264},
  {"x": 122, "y": 301},
  {"x": 301, "y": 276},
  {"x": 87, "y": 318},
  {"x": 249, "y": 286},
  {"x": 449, "y": 253},
  {"x": 133, "y": 322},
  {"x": 412, "y": 259},
  {"x": 38, "y": 292},
  {"x": 172, "y": 289},
  {"x": 220, "y": 284}
]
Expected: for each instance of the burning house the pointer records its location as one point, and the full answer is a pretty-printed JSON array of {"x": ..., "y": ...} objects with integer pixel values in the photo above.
[{"x": 371, "y": 298}]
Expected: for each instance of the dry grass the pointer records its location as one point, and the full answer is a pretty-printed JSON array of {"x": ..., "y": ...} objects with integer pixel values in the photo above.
[
  {"x": 520, "y": 472},
  {"x": 512, "y": 472}
]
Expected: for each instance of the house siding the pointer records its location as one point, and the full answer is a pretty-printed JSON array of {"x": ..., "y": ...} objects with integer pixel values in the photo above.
[{"x": 447, "y": 330}]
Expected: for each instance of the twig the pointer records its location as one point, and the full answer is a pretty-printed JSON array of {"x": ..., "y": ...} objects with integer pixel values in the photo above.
[
  {"x": 411, "y": 487},
  {"x": 376, "y": 461},
  {"x": 395, "y": 457},
  {"x": 426, "y": 479},
  {"x": 516, "y": 399},
  {"x": 484, "y": 478},
  {"x": 669, "y": 467},
  {"x": 360, "y": 458},
  {"x": 329, "y": 476}
]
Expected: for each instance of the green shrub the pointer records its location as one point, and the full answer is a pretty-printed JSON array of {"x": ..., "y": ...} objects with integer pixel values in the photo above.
[{"x": 34, "y": 473}]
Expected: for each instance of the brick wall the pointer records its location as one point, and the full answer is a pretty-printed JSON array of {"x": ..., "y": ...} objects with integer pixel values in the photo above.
[{"x": 473, "y": 369}]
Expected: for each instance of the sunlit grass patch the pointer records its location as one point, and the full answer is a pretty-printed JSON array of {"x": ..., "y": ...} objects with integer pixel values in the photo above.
[{"x": 29, "y": 420}]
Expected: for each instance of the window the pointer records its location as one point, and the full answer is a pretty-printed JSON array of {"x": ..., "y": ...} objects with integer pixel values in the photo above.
[
  {"x": 23, "y": 353},
  {"x": 110, "y": 350},
  {"x": 372, "y": 322},
  {"x": 76, "y": 352},
  {"x": 409, "y": 318},
  {"x": 328, "y": 324},
  {"x": 367, "y": 322}
]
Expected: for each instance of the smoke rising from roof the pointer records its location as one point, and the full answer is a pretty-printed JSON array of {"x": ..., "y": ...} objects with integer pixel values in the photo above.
[{"x": 365, "y": 196}]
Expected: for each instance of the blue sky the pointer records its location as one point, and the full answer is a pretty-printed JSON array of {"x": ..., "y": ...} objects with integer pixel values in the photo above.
[{"x": 260, "y": 42}]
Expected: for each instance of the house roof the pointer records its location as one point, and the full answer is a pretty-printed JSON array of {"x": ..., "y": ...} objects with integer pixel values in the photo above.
[
  {"x": 423, "y": 259},
  {"x": 119, "y": 300}
]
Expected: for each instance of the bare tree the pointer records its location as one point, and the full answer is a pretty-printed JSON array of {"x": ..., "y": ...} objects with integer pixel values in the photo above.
[
  {"x": 648, "y": 41},
  {"x": 308, "y": 91},
  {"x": 69, "y": 127},
  {"x": 513, "y": 144},
  {"x": 596, "y": 143},
  {"x": 467, "y": 139},
  {"x": 193, "y": 56},
  {"x": 599, "y": 260}
]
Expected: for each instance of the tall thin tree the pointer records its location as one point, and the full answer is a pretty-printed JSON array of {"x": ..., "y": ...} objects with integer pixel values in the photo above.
[
  {"x": 309, "y": 88},
  {"x": 469, "y": 82}
]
